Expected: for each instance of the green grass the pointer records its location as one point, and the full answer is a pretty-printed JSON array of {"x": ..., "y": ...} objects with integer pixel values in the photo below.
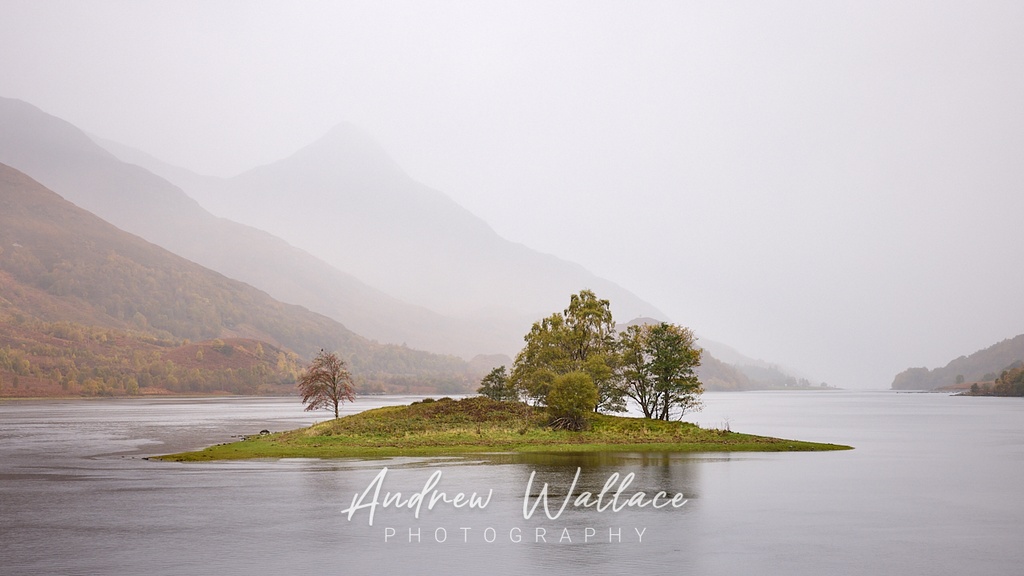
[{"x": 478, "y": 425}]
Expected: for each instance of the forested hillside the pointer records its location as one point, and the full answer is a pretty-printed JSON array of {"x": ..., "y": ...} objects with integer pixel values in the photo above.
[
  {"x": 983, "y": 365},
  {"x": 85, "y": 306}
]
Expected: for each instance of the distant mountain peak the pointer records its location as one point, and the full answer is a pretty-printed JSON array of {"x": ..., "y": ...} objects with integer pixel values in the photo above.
[
  {"x": 638, "y": 321},
  {"x": 347, "y": 148}
]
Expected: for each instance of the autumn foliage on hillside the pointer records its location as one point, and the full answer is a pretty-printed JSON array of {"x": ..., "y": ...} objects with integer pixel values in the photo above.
[
  {"x": 62, "y": 358},
  {"x": 86, "y": 308}
]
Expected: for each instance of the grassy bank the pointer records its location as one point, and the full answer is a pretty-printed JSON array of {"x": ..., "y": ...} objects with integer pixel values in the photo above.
[{"x": 477, "y": 424}]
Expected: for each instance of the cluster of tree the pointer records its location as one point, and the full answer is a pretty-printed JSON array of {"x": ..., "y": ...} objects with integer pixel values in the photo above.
[
  {"x": 658, "y": 364},
  {"x": 1009, "y": 383},
  {"x": 575, "y": 362},
  {"x": 497, "y": 386}
]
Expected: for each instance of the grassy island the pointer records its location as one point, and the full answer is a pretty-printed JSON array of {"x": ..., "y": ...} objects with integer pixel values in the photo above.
[{"x": 478, "y": 424}]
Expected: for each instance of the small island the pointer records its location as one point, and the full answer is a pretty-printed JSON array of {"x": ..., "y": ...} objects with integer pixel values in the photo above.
[
  {"x": 479, "y": 424},
  {"x": 575, "y": 368}
]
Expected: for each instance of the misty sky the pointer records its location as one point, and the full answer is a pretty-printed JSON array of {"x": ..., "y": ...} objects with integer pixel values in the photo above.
[{"x": 833, "y": 186}]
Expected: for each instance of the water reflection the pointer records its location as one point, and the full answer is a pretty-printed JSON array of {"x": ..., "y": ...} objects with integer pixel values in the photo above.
[
  {"x": 76, "y": 497},
  {"x": 652, "y": 471}
]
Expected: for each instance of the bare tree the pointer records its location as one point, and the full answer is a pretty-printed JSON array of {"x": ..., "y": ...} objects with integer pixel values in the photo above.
[{"x": 326, "y": 383}]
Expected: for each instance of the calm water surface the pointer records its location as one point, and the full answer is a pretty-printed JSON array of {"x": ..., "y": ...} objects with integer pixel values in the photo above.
[{"x": 933, "y": 487}]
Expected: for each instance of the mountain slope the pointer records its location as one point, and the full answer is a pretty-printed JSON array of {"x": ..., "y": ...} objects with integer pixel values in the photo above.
[
  {"x": 982, "y": 365},
  {"x": 346, "y": 201},
  {"x": 351, "y": 173},
  {"x": 343, "y": 196},
  {"x": 66, "y": 160},
  {"x": 61, "y": 265}
]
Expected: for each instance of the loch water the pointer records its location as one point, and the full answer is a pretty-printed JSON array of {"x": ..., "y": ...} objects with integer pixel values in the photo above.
[{"x": 933, "y": 486}]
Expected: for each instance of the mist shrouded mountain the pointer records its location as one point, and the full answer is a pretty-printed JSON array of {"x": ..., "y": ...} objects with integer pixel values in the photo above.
[
  {"x": 81, "y": 296},
  {"x": 441, "y": 279},
  {"x": 344, "y": 200},
  {"x": 66, "y": 160}
]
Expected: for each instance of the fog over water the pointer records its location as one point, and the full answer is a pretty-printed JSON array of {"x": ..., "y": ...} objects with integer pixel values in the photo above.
[{"x": 830, "y": 186}]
